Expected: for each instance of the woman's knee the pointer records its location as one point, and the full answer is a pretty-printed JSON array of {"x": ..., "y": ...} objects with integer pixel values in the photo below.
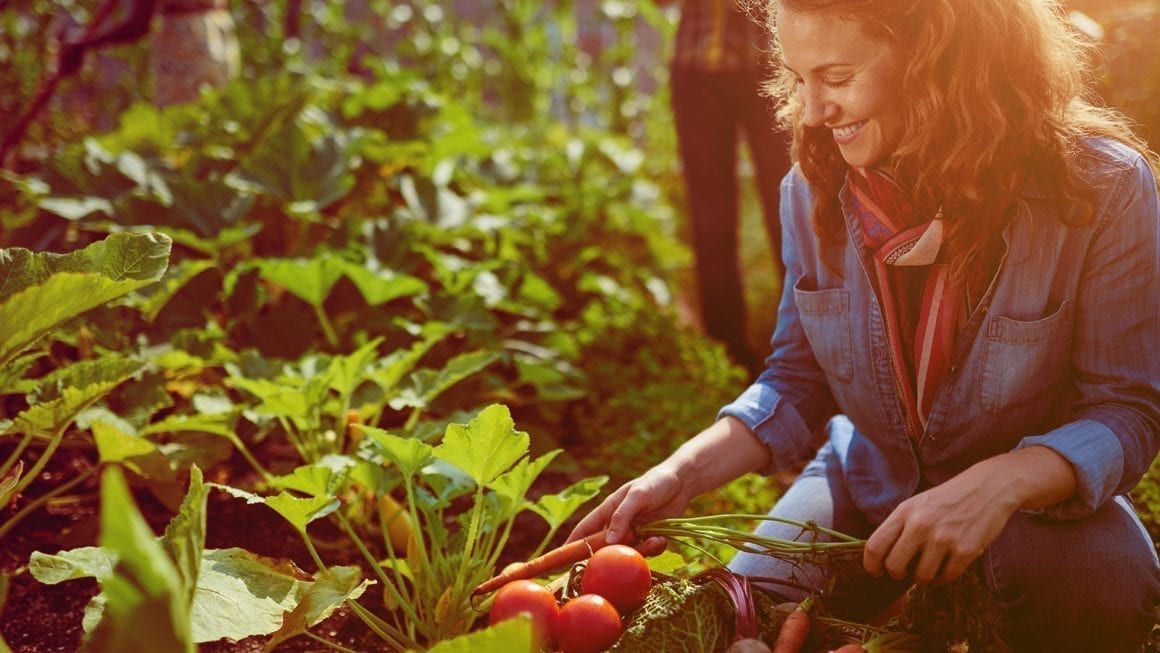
[{"x": 1083, "y": 585}]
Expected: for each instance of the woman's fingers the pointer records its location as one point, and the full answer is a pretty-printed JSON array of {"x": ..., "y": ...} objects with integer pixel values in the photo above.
[
  {"x": 599, "y": 517},
  {"x": 880, "y": 544}
]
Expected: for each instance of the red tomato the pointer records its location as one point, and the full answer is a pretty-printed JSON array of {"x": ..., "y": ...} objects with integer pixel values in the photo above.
[
  {"x": 587, "y": 624},
  {"x": 530, "y": 600},
  {"x": 620, "y": 574}
]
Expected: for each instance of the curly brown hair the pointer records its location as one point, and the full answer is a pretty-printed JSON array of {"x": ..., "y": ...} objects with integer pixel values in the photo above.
[{"x": 992, "y": 91}]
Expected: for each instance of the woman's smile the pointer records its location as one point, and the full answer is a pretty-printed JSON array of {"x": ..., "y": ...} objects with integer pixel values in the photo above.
[
  {"x": 848, "y": 82},
  {"x": 847, "y": 133}
]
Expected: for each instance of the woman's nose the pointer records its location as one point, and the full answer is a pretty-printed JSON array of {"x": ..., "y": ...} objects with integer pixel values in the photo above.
[{"x": 818, "y": 107}]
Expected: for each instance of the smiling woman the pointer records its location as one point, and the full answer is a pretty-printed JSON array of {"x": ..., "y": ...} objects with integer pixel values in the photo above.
[
  {"x": 972, "y": 292},
  {"x": 846, "y": 81}
]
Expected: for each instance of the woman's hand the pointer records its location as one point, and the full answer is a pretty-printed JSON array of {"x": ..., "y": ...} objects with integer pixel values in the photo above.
[
  {"x": 717, "y": 455},
  {"x": 656, "y": 494},
  {"x": 935, "y": 535}
]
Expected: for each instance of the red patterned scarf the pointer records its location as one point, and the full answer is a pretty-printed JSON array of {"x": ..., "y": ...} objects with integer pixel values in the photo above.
[{"x": 921, "y": 303}]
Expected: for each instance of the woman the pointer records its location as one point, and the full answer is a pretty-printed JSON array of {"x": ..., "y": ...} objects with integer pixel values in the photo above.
[{"x": 971, "y": 309}]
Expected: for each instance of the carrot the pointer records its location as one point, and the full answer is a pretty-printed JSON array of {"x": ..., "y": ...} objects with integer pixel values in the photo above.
[
  {"x": 557, "y": 558},
  {"x": 795, "y": 629}
]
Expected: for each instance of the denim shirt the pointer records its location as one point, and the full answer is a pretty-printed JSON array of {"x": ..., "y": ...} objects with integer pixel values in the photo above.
[{"x": 1062, "y": 351}]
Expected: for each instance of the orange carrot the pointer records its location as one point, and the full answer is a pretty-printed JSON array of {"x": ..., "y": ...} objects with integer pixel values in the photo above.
[
  {"x": 794, "y": 630},
  {"x": 557, "y": 558}
]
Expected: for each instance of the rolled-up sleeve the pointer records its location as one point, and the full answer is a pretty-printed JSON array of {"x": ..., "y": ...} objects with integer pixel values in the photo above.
[{"x": 1115, "y": 431}]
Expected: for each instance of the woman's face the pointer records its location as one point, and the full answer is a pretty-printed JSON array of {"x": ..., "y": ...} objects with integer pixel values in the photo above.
[{"x": 848, "y": 82}]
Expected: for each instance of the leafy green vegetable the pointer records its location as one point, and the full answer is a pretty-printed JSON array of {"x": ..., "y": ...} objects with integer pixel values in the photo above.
[
  {"x": 39, "y": 291},
  {"x": 146, "y": 606}
]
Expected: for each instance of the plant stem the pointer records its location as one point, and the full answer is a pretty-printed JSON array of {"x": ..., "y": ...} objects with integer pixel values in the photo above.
[
  {"x": 41, "y": 462},
  {"x": 313, "y": 552},
  {"x": 399, "y": 640},
  {"x": 15, "y": 456},
  {"x": 327, "y": 327},
  {"x": 45, "y": 498},
  {"x": 327, "y": 642},
  {"x": 713, "y": 519},
  {"x": 382, "y": 576},
  {"x": 412, "y": 419}
]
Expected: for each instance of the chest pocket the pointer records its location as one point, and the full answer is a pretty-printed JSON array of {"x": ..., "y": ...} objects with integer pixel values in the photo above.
[
  {"x": 825, "y": 316},
  {"x": 1025, "y": 360}
]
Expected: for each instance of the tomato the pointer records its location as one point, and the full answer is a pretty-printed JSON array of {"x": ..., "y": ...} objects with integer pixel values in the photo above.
[
  {"x": 587, "y": 624},
  {"x": 528, "y": 599},
  {"x": 620, "y": 574}
]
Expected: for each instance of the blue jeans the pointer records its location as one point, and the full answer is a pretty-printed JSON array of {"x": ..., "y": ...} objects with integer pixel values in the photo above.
[{"x": 1091, "y": 584}]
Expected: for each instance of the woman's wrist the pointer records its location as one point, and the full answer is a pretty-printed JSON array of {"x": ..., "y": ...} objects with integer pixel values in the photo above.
[
  {"x": 717, "y": 455},
  {"x": 1033, "y": 478}
]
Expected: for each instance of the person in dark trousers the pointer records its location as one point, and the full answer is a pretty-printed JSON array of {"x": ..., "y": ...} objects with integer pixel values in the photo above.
[{"x": 716, "y": 73}]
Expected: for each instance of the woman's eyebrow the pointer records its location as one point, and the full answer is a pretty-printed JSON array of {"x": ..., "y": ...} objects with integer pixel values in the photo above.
[{"x": 821, "y": 68}]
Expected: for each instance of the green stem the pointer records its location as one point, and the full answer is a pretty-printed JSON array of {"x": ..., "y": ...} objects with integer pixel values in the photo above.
[
  {"x": 41, "y": 462},
  {"x": 385, "y": 631},
  {"x": 420, "y": 541},
  {"x": 15, "y": 456},
  {"x": 327, "y": 642},
  {"x": 496, "y": 548},
  {"x": 382, "y": 627},
  {"x": 45, "y": 498},
  {"x": 3, "y": 597},
  {"x": 292, "y": 435},
  {"x": 387, "y": 583},
  {"x": 713, "y": 519},
  {"x": 544, "y": 542},
  {"x": 313, "y": 552},
  {"x": 241, "y": 447},
  {"x": 458, "y": 590},
  {"x": 327, "y": 327},
  {"x": 412, "y": 419}
]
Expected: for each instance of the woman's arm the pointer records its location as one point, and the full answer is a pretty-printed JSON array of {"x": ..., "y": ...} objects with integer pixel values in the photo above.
[
  {"x": 712, "y": 458},
  {"x": 935, "y": 535}
]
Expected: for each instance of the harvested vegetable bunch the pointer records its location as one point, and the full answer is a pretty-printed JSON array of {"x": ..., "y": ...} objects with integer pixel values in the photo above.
[{"x": 820, "y": 545}]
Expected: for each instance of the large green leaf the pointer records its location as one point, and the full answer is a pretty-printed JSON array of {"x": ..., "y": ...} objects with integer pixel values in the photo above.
[
  {"x": 103, "y": 370},
  {"x": 513, "y": 485},
  {"x": 143, "y": 458},
  {"x": 307, "y": 174},
  {"x": 381, "y": 286},
  {"x": 510, "y": 636},
  {"x": 556, "y": 508},
  {"x": 176, "y": 278},
  {"x": 184, "y": 538},
  {"x": 84, "y": 562},
  {"x": 298, "y": 511},
  {"x": 486, "y": 446},
  {"x": 331, "y": 588},
  {"x": 308, "y": 279},
  {"x": 40, "y": 291},
  {"x": 50, "y": 417},
  {"x": 145, "y": 606},
  {"x": 410, "y": 454},
  {"x": 429, "y": 384},
  {"x": 238, "y": 593},
  {"x": 321, "y": 479}
]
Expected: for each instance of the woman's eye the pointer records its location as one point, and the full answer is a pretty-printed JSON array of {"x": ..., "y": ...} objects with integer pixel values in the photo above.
[{"x": 841, "y": 81}]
